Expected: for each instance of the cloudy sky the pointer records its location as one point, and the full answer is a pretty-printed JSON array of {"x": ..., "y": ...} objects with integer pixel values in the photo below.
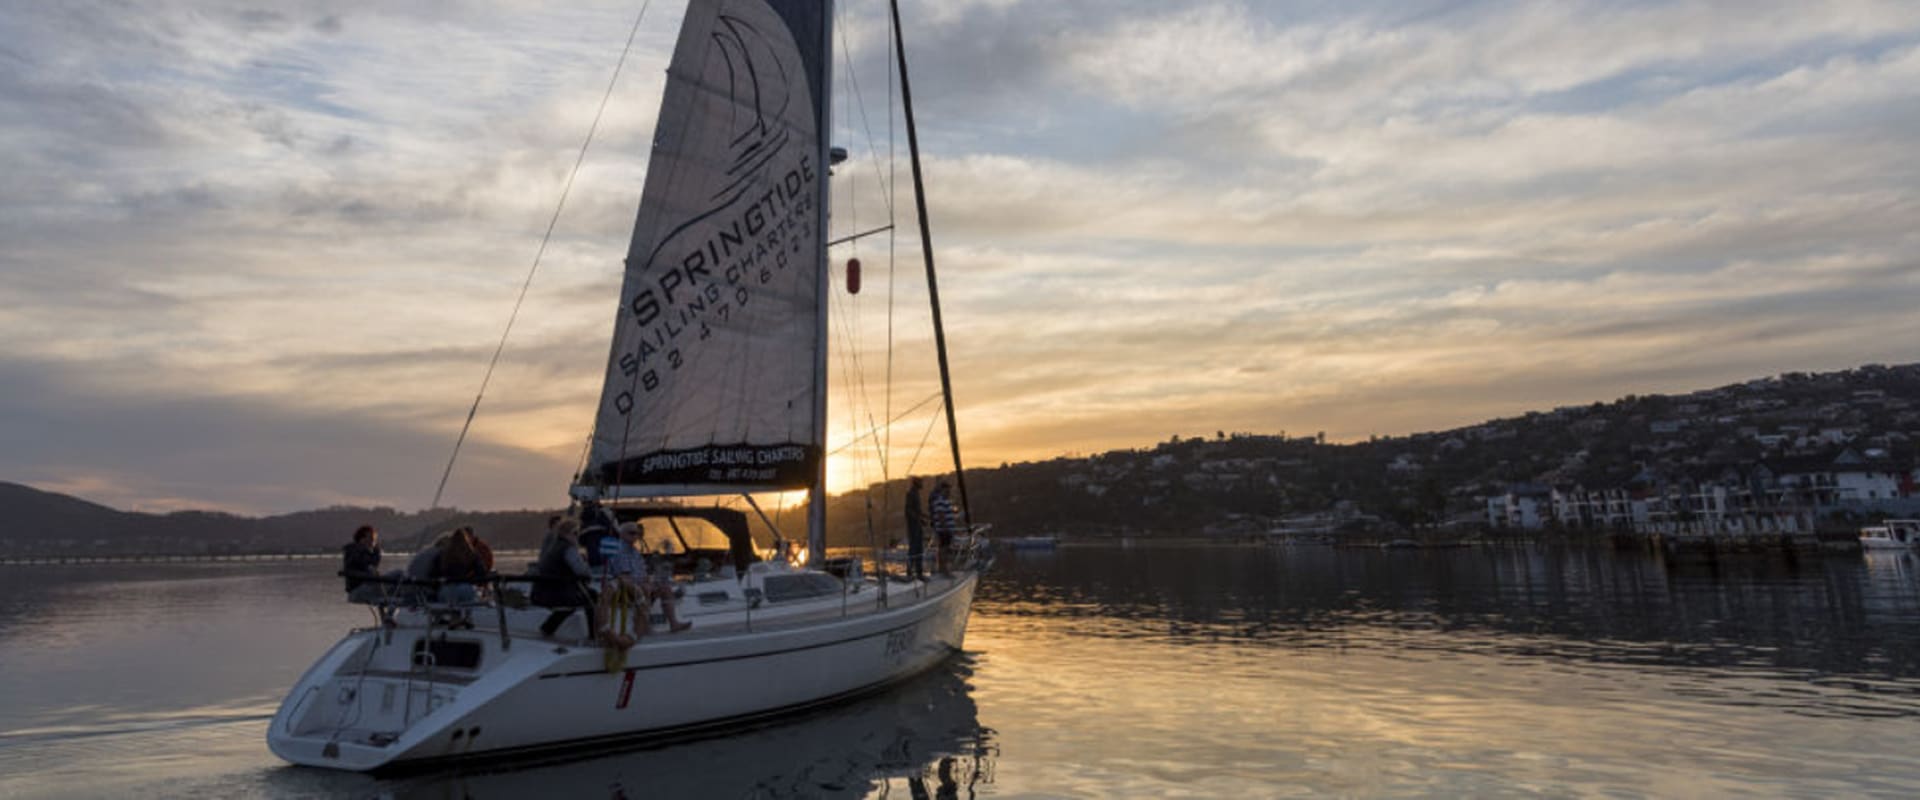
[{"x": 255, "y": 255}]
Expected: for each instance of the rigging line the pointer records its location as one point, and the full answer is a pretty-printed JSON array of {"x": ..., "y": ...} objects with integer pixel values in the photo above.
[
  {"x": 849, "y": 324},
  {"x": 852, "y": 373},
  {"x": 926, "y": 248},
  {"x": 888, "y": 427},
  {"x": 931, "y": 421},
  {"x": 855, "y": 237},
  {"x": 886, "y": 498},
  {"x": 538, "y": 254},
  {"x": 846, "y": 54}
]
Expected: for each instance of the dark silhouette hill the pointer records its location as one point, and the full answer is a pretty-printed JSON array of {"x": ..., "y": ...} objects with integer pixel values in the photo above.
[
  {"x": 1208, "y": 484},
  {"x": 37, "y": 521}
]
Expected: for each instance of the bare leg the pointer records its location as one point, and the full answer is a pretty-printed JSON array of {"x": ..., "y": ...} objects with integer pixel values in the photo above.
[
  {"x": 667, "y": 604},
  {"x": 642, "y": 610}
]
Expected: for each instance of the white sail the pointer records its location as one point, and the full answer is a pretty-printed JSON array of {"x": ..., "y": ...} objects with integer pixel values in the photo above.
[{"x": 713, "y": 383}]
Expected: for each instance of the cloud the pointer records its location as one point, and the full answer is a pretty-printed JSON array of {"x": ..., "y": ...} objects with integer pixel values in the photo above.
[
  {"x": 280, "y": 225},
  {"x": 153, "y": 450}
]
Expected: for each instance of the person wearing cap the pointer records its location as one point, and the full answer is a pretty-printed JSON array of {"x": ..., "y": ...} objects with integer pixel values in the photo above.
[{"x": 626, "y": 570}]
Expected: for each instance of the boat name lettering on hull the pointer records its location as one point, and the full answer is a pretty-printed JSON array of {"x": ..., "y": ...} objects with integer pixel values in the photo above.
[{"x": 901, "y": 641}]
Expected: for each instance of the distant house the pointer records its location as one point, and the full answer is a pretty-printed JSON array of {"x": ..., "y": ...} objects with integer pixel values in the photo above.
[
  {"x": 1525, "y": 506},
  {"x": 1833, "y": 436},
  {"x": 1599, "y": 509},
  {"x": 1849, "y": 477}
]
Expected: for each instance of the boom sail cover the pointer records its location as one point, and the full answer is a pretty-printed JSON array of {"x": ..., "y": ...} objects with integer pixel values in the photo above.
[{"x": 711, "y": 383}]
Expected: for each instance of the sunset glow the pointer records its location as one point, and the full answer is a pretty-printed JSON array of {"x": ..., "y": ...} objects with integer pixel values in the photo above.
[{"x": 257, "y": 259}]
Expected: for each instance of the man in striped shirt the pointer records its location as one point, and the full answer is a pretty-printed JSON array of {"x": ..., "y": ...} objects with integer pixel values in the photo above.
[{"x": 945, "y": 523}]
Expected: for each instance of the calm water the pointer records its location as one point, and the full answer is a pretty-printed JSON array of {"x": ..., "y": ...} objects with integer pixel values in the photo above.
[{"x": 1093, "y": 672}]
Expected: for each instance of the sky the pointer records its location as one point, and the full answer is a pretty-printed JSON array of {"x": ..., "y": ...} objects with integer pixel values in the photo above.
[{"x": 255, "y": 256}]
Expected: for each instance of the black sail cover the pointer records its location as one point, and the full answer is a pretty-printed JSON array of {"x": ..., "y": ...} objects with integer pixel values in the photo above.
[{"x": 711, "y": 383}]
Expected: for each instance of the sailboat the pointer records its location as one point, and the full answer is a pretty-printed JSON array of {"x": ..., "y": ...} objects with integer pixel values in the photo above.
[{"x": 715, "y": 387}]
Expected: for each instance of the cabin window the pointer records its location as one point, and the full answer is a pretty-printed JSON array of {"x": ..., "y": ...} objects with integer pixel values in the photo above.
[
  {"x": 451, "y": 653},
  {"x": 712, "y": 598},
  {"x": 681, "y": 535}
]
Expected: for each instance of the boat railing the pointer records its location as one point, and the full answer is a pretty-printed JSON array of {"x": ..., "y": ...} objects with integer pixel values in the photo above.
[{"x": 424, "y": 593}]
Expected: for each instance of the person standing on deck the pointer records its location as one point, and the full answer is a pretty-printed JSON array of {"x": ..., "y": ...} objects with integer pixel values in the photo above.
[
  {"x": 916, "y": 531},
  {"x": 940, "y": 508}
]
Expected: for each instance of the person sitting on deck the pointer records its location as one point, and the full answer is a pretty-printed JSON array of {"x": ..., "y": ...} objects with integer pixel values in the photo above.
[
  {"x": 479, "y": 546},
  {"x": 596, "y": 527},
  {"x": 460, "y": 565},
  {"x": 425, "y": 563},
  {"x": 626, "y": 571},
  {"x": 360, "y": 560},
  {"x": 566, "y": 574}
]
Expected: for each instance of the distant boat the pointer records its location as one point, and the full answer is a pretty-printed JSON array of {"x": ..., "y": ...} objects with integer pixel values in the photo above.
[
  {"x": 1047, "y": 542},
  {"x": 1894, "y": 534},
  {"x": 716, "y": 386}
]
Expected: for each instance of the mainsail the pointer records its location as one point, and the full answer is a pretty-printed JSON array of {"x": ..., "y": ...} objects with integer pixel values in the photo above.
[{"x": 715, "y": 380}]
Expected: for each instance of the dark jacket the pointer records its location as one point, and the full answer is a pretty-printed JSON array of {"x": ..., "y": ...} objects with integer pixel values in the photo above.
[
  {"x": 460, "y": 563},
  {"x": 590, "y": 540},
  {"x": 916, "y": 517},
  {"x": 559, "y": 559},
  {"x": 359, "y": 561}
]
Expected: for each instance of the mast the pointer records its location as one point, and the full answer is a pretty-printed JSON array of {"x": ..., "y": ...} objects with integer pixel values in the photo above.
[
  {"x": 817, "y": 493},
  {"x": 926, "y": 246}
]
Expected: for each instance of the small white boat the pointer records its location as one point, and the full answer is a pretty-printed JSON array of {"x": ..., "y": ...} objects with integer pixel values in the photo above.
[
  {"x": 1047, "y": 542},
  {"x": 1894, "y": 534},
  {"x": 716, "y": 386}
]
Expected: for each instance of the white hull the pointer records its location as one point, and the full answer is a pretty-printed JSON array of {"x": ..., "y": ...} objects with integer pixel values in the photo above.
[
  {"x": 1894, "y": 534},
  {"x": 364, "y": 706}
]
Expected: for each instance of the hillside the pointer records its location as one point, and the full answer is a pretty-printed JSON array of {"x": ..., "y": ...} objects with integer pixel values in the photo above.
[
  {"x": 1223, "y": 483},
  {"x": 1242, "y": 482},
  {"x": 38, "y": 521}
]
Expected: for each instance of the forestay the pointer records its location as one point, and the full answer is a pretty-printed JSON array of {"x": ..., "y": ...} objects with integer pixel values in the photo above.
[{"x": 714, "y": 382}]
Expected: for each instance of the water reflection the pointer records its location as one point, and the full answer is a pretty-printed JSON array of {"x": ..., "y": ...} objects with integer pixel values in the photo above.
[
  {"x": 1832, "y": 622},
  {"x": 1150, "y": 671}
]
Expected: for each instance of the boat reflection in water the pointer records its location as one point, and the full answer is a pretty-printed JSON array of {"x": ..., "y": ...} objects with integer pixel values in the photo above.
[{"x": 922, "y": 737}]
